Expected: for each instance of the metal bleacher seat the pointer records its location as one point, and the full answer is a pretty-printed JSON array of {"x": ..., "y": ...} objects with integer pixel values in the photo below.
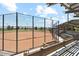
[{"x": 69, "y": 50}]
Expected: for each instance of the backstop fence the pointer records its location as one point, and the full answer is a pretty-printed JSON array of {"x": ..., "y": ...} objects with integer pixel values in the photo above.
[{"x": 20, "y": 32}]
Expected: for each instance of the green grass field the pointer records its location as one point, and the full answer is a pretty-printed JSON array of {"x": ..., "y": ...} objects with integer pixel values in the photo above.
[{"x": 21, "y": 30}]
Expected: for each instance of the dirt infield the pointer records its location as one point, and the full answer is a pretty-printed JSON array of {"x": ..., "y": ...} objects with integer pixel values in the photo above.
[{"x": 24, "y": 40}]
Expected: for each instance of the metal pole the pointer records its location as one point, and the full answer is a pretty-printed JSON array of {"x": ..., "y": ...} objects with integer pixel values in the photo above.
[
  {"x": 58, "y": 30},
  {"x": 3, "y": 33},
  {"x": 32, "y": 31},
  {"x": 67, "y": 20},
  {"x": 16, "y": 32},
  {"x": 44, "y": 30},
  {"x": 52, "y": 30}
]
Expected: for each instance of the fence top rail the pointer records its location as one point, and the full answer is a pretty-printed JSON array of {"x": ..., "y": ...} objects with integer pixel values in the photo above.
[
  {"x": 35, "y": 16},
  {"x": 7, "y": 14},
  {"x": 29, "y": 15},
  {"x": 24, "y": 14}
]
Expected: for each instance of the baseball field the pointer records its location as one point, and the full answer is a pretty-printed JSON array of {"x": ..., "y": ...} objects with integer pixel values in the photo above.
[{"x": 25, "y": 39}]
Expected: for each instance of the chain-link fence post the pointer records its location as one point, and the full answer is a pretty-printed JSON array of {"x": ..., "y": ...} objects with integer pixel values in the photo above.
[
  {"x": 16, "y": 32},
  {"x": 44, "y": 30},
  {"x": 3, "y": 33},
  {"x": 32, "y": 31}
]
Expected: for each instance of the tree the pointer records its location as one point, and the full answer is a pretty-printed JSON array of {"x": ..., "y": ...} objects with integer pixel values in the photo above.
[
  {"x": 21, "y": 27},
  {"x": 8, "y": 27},
  {"x": 18, "y": 27},
  {"x": 12, "y": 27},
  {"x": 41, "y": 28},
  {"x": 25, "y": 28},
  {"x": 35, "y": 28}
]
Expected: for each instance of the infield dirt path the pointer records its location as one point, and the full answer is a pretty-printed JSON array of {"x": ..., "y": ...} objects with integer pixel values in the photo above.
[{"x": 25, "y": 40}]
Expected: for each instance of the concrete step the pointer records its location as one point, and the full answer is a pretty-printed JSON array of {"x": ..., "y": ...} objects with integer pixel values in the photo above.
[{"x": 4, "y": 53}]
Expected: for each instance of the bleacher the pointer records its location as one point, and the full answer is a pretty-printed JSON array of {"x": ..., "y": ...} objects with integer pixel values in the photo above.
[{"x": 70, "y": 50}]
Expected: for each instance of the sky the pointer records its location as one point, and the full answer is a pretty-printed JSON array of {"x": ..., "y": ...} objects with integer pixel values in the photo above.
[
  {"x": 55, "y": 12},
  {"x": 43, "y": 1}
]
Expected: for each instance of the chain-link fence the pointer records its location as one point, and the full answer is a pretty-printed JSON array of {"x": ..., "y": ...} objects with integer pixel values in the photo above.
[{"x": 20, "y": 32}]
